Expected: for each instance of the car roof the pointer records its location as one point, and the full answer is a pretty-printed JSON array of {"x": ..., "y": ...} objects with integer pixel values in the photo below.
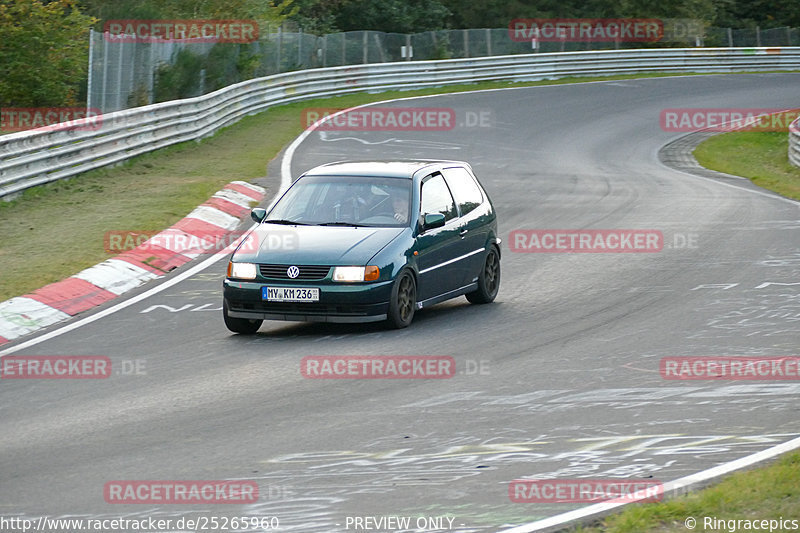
[{"x": 392, "y": 169}]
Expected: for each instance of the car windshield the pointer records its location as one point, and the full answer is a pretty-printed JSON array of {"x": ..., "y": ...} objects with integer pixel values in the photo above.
[{"x": 345, "y": 201}]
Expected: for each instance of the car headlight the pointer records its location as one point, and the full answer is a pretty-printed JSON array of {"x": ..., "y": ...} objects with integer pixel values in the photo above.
[
  {"x": 355, "y": 273},
  {"x": 242, "y": 270}
]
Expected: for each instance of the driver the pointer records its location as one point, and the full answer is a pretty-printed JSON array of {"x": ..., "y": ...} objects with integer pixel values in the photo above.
[{"x": 400, "y": 205}]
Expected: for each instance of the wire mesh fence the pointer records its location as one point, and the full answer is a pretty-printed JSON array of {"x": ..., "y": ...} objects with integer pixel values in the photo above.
[{"x": 130, "y": 74}]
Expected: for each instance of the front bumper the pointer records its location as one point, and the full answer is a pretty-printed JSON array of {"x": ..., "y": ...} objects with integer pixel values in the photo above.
[{"x": 356, "y": 302}]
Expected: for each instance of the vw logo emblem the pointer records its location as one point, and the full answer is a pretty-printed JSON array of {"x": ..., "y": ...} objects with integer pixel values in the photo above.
[{"x": 292, "y": 271}]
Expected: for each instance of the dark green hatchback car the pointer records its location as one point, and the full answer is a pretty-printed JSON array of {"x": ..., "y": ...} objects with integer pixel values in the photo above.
[{"x": 364, "y": 242}]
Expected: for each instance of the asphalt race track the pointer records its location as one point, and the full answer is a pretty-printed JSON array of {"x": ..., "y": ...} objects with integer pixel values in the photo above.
[{"x": 559, "y": 378}]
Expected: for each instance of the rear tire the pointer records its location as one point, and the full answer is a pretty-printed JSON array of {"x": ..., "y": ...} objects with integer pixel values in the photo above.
[
  {"x": 245, "y": 326},
  {"x": 488, "y": 280},
  {"x": 403, "y": 301}
]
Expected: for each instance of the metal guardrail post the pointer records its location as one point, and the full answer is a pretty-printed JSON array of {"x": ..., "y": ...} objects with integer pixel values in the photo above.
[{"x": 91, "y": 68}]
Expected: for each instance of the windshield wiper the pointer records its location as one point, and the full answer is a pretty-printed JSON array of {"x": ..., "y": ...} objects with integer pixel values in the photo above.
[
  {"x": 284, "y": 222},
  {"x": 344, "y": 224}
]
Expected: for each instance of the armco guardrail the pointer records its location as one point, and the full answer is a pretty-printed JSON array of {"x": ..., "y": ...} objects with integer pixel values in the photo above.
[
  {"x": 32, "y": 158},
  {"x": 794, "y": 142}
]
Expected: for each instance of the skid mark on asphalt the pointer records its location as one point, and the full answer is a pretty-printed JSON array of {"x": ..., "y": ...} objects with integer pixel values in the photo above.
[
  {"x": 756, "y": 314},
  {"x": 449, "y": 462},
  {"x": 765, "y": 396}
]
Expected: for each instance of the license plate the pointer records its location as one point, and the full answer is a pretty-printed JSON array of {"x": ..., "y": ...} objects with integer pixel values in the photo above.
[{"x": 289, "y": 294}]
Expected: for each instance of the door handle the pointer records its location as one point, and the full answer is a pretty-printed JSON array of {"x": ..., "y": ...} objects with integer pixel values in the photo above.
[{"x": 463, "y": 232}]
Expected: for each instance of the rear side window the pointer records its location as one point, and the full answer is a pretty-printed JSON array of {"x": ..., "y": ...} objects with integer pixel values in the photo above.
[
  {"x": 436, "y": 198},
  {"x": 467, "y": 193}
]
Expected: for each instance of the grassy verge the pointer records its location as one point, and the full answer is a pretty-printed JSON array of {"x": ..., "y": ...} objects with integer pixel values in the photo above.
[
  {"x": 56, "y": 230},
  {"x": 760, "y": 156},
  {"x": 768, "y": 493}
]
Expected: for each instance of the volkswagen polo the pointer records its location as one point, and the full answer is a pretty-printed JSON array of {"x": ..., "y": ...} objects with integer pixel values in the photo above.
[{"x": 364, "y": 242}]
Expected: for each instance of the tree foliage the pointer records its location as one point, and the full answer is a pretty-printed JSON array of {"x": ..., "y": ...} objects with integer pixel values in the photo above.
[
  {"x": 44, "y": 50},
  {"x": 265, "y": 12},
  {"x": 44, "y": 43},
  {"x": 421, "y": 15},
  {"x": 392, "y": 16},
  {"x": 317, "y": 16}
]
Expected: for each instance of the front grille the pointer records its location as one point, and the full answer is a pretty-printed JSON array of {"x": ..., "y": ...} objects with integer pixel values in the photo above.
[
  {"x": 307, "y": 272},
  {"x": 302, "y": 308}
]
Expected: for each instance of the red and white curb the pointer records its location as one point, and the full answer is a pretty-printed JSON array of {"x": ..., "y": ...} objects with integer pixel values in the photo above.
[{"x": 59, "y": 301}]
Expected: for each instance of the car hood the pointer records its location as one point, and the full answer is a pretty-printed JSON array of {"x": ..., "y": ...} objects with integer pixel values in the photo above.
[{"x": 314, "y": 245}]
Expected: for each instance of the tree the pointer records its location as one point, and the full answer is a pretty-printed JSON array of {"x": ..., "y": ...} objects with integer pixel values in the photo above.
[
  {"x": 764, "y": 13},
  {"x": 317, "y": 16},
  {"x": 265, "y": 12},
  {"x": 44, "y": 51},
  {"x": 394, "y": 16},
  {"x": 702, "y": 10}
]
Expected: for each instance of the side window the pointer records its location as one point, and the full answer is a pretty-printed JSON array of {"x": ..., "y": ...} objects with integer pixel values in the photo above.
[
  {"x": 436, "y": 198},
  {"x": 467, "y": 193}
]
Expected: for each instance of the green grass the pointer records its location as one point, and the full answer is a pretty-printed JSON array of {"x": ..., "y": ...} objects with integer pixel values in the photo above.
[
  {"x": 766, "y": 493},
  {"x": 760, "y": 156},
  {"x": 53, "y": 231}
]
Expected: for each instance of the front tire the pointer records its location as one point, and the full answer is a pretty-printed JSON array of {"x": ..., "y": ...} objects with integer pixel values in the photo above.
[
  {"x": 403, "y": 302},
  {"x": 488, "y": 280},
  {"x": 245, "y": 326}
]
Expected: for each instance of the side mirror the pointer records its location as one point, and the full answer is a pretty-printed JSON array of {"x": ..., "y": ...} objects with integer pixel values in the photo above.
[
  {"x": 258, "y": 214},
  {"x": 433, "y": 220}
]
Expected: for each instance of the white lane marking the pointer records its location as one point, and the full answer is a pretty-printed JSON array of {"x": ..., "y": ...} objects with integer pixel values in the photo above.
[
  {"x": 323, "y": 136},
  {"x": 409, "y": 142},
  {"x": 122, "y": 305},
  {"x": 774, "y": 196},
  {"x": 362, "y": 141},
  {"x": 679, "y": 486}
]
